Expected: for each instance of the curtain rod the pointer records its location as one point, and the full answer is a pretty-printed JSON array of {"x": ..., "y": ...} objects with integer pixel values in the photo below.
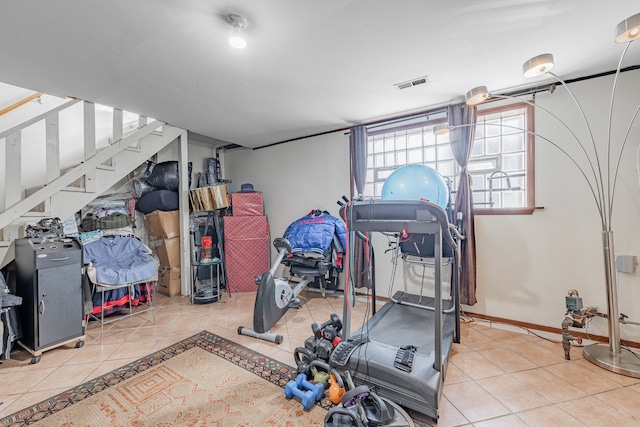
[
  {"x": 399, "y": 119},
  {"x": 435, "y": 108},
  {"x": 551, "y": 86}
]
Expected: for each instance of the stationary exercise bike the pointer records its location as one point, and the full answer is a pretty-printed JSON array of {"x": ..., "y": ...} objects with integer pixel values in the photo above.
[{"x": 275, "y": 295}]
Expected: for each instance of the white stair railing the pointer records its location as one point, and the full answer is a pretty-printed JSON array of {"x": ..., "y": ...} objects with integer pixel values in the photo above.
[
  {"x": 102, "y": 166},
  {"x": 13, "y": 153},
  {"x": 16, "y": 202}
]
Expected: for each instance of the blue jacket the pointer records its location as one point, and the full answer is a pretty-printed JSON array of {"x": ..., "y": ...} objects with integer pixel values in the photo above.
[{"x": 314, "y": 233}]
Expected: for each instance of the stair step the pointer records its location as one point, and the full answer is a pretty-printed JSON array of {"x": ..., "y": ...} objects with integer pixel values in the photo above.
[
  {"x": 75, "y": 189},
  {"x": 106, "y": 167},
  {"x": 35, "y": 214},
  {"x": 134, "y": 149}
]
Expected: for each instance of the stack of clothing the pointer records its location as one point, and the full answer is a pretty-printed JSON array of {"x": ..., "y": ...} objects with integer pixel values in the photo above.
[
  {"x": 9, "y": 325},
  {"x": 118, "y": 260}
]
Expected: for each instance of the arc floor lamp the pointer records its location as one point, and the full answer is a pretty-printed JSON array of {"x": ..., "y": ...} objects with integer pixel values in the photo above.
[{"x": 601, "y": 174}]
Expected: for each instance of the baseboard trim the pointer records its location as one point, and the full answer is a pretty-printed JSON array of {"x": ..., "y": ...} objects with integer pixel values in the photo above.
[
  {"x": 525, "y": 325},
  {"x": 542, "y": 328}
]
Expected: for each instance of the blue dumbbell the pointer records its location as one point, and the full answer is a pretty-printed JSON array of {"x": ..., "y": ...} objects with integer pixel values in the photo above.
[
  {"x": 306, "y": 397},
  {"x": 316, "y": 389}
]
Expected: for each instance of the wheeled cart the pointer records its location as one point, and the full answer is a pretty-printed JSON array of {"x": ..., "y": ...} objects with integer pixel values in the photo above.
[{"x": 49, "y": 280}]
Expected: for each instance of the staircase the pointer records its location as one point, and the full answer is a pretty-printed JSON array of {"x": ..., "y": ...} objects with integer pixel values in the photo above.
[{"x": 68, "y": 190}]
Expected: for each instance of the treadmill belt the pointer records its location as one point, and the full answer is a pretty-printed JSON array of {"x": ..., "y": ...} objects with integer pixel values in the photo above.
[
  {"x": 400, "y": 325},
  {"x": 375, "y": 363}
]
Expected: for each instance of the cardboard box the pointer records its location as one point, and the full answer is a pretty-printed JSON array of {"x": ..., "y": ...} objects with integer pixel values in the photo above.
[
  {"x": 162, "y": 225},
  {"x": 169, "y": 281},
  {"x": 247, "y": 204},
  {"x": 168, "y": 251},
  {"x": 246, "y": 249}
]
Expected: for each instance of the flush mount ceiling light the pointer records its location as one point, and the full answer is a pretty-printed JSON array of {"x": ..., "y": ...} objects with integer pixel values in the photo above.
[{"x": 238, "y": 23}]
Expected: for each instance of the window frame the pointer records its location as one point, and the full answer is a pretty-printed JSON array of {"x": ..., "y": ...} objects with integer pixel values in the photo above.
[
  {"x": 436, "y": 117},
  {"x": 530, "y": 153}
]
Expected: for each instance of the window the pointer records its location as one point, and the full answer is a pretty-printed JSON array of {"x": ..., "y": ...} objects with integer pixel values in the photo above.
[{"x": 501, "y": 164}]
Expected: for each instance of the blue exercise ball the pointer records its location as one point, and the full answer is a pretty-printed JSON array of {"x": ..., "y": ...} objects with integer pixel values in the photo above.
[{"x": 415, "y": 182}]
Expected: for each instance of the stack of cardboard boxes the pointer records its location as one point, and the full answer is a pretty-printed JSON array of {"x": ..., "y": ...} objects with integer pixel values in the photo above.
[
  {"x": 163, "y": 229},
  {"x": 246, "y": 241}
]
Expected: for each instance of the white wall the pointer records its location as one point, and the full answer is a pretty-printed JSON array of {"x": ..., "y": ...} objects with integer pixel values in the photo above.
[
  {"x": 198, "y": 152},
  {"x": 294, "y": 177},
  {"x": 525, "y": 263}
]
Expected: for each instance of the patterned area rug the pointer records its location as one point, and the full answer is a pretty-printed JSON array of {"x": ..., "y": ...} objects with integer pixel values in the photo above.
[{"x": 202, "y": 381}]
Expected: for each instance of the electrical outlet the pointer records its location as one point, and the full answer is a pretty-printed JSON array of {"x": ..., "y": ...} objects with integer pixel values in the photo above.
[{"x": 626, "y": 263}]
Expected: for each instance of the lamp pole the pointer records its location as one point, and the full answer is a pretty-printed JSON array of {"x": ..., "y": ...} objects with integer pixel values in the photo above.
[{"x": 602, "y": 184}]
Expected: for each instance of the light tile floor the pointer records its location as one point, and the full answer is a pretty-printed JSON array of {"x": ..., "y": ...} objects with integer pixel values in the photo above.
[{"x": 496, "y": 377}]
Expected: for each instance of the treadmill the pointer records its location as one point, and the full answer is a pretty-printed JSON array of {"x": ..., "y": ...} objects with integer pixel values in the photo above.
[{"x": 402, "y": 351}]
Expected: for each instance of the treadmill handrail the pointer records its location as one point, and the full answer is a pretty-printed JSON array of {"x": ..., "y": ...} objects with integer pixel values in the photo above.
[{"x": 412, "y": 216}]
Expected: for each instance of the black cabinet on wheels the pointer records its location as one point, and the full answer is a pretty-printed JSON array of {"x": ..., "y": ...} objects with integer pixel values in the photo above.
[{"x": 49, "y": 280}]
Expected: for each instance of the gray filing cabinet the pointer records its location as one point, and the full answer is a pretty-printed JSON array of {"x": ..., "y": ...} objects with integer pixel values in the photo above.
[{"x": 49, "y": 280}]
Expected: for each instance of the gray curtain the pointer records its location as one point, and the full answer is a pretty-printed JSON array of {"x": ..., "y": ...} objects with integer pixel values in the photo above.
[
  {"x": 358, "y": 147},
  {"x": 463, "y": 119},
  {"x": 362, "y": 275}
]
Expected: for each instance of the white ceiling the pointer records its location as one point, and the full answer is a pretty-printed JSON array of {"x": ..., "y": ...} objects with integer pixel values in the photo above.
[{"x": 309, "y": 67}]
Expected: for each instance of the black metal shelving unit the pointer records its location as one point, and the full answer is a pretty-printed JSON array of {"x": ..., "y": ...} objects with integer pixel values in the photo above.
[{"x": 208, "y": 274}]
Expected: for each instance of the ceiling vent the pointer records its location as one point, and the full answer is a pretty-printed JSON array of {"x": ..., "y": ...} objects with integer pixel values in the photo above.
[{"x": 411, "y": 83}]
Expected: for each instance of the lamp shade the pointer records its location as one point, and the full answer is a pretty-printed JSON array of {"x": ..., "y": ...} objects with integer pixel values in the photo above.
[
  {"x": 477, "y": 95},
  {"x": 441, "y": 129},
  {"x": 629, "y": 29},
  {"x": 538, "y": 65}
]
